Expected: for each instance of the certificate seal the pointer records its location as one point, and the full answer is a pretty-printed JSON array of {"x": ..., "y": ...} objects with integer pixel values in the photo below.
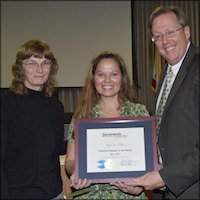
[{"x": 109, "y": 164}]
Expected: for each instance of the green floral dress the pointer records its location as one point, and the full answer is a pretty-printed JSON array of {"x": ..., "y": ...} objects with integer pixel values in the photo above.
[{"x": 128, "y": 109}]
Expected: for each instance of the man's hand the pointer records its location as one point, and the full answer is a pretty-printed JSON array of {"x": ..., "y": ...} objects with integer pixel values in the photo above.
[{"x": 150, "y": 181}]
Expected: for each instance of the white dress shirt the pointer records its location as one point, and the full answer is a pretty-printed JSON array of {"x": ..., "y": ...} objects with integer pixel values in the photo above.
[{"x": 175, "y": 69}]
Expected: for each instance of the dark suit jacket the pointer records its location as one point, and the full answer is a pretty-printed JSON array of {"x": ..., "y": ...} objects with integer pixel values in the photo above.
[{"x": 179, "y": 130}]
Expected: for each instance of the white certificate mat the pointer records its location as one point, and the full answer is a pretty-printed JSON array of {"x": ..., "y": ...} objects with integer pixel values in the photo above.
[
  {"x": 116, "y": 149},
  {"x": 110, "y": 148}
]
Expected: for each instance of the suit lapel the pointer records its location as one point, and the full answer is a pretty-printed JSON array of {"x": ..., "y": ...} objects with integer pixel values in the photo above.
[
  {"x": 180, "y": 76},
  {"x": 177, "y": 83}
]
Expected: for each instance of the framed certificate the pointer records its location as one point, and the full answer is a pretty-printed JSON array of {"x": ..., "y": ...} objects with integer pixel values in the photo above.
[{"x": 110, "y": 148}]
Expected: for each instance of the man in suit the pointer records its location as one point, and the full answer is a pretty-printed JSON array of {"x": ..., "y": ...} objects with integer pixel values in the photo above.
[{"x": 178, "y": 131}]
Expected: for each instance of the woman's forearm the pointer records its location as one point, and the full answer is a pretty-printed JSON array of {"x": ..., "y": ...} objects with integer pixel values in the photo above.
[{"x": 69, "y": 166}]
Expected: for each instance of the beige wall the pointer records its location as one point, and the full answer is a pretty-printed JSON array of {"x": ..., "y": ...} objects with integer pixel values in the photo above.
[{"x": 75, "y": 30}]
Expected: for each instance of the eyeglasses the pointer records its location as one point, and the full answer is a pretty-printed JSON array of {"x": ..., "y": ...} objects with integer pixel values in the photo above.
[
  {"x": 33, "y": 65},
  {"x": 169, "y": 34}
]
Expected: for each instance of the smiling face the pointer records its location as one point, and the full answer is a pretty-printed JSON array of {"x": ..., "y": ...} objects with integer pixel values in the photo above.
[
  {"x": 108, "y": 78},
  {"x": 36, "y": 75},
  {"x": 172, "y": 49}
]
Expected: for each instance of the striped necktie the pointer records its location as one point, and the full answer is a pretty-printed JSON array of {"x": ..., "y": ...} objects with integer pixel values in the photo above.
[{"x": 163, "y": 100}]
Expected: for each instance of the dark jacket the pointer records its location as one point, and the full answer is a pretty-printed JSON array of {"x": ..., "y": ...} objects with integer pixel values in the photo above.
[{"x": 179, "y": 131}]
